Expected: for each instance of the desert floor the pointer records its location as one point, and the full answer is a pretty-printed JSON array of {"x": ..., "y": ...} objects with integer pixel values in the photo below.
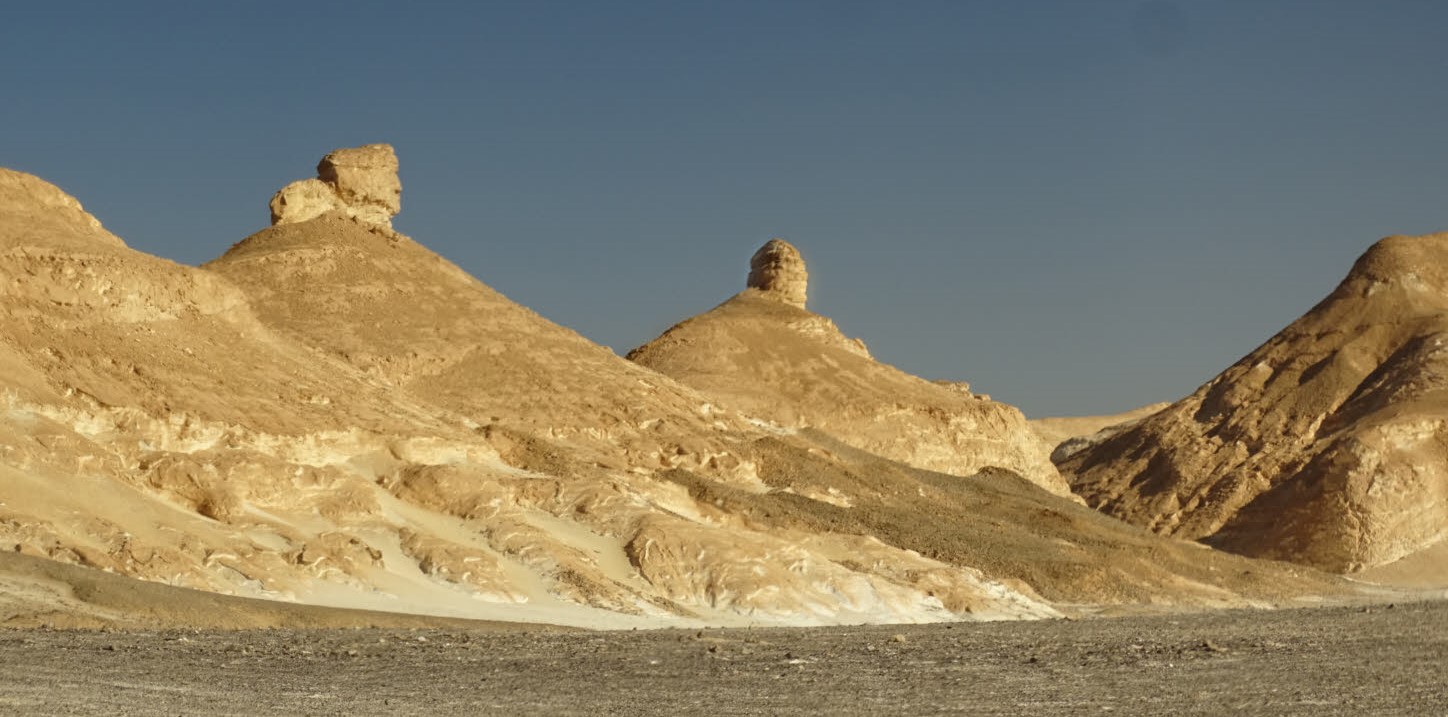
[{"x": 1379, "y": 659}]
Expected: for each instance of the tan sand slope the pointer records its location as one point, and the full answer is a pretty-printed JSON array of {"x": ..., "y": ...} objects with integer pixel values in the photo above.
[
  {"x": 762, "y": 353},
  {"x": 1327, "y": 445},
  {"x": 35, "y": 592},
  {"x": 408, "y": 319}
]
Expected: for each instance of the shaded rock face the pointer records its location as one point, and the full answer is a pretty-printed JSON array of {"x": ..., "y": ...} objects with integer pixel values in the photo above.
[
  {"x": 1327, "y": 445},
  {"x": 762, "y": 353},
  {"x": 777, "y": 271},
  {"x": 360, "y": 182}
]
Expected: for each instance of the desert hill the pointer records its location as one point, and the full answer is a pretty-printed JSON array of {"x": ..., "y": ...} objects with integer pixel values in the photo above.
[
  {"x": 333, "y": 415},
  {"x": 383, "y": 304},
  {"x": 763, "y": 353},
  {"x": 151, "y": 426},
  {"x": 1327, "y": 445}
]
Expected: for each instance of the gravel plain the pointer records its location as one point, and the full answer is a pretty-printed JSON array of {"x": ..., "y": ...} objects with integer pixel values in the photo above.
[{"x": 1378, "y": 659}]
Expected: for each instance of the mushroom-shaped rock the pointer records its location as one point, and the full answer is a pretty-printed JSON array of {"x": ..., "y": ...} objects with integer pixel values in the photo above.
[
  {"x": 360, "y": 182},
  {"x": 777, "y": 271}
]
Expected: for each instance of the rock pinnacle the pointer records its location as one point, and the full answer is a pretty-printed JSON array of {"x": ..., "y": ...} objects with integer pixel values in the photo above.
[{"x": 777, "y": 271}]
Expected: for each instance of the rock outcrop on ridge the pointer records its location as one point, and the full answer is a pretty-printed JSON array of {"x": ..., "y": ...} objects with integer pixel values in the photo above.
[
  {"x": 1327, "y": 445},
  {"x": 763, "y": 353},
  {"x": 359, "y": 182},
  {"x": 777, "y": 271},
  {"x": 331, "y": 414}
]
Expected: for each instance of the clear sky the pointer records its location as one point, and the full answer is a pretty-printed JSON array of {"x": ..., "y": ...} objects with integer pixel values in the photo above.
[{"x": 1077, "y": 206}]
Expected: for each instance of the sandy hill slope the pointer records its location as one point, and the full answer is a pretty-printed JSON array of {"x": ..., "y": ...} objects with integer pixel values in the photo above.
[
  {"x": 387, "y": 306},
  {"x": 331, "y": 414},
  {"x": 1327, "y": 445},
  {"x": 35, "y": 592},
  {"x": 763, "y": 353}
]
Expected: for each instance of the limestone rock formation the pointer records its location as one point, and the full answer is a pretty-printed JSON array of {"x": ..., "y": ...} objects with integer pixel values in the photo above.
[
  {"x": 331, "y": 414},
  {"x": 360, "y": 182},
  {"x": 762, "y": 353},
  {"x": 1327, "y": 445},
  {"x": 777, "y": 271}
]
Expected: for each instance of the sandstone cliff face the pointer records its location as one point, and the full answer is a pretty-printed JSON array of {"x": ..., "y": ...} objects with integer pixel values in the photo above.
[
  {"x": 1327, "y": 445},
  {"x": 332, "y": 414},
  {"x": 762, "y": 353}
]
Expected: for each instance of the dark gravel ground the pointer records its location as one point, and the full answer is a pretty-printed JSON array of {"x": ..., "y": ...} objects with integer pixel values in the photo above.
[{"x": 1323, "y": 661}]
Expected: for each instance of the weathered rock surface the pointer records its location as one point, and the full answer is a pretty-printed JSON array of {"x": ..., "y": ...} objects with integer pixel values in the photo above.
[
  {"x": 761, "y": 353},
  {"x": 334, "y": 415},
  {"x": 359, "y": 182},
  {"x": 1327, "y": 445},
  {"x": 777, "y": 272}
]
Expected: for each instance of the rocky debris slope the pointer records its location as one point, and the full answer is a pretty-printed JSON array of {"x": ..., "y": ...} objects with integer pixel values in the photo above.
[
  {"x": 331, "y": 414},
  {"x": 1327, "y": 445},
  {"x": 762, "y": 353}
]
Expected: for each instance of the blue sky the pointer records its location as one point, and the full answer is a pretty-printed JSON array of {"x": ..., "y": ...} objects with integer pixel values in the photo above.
[{"x": 1076, "y": 206}]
